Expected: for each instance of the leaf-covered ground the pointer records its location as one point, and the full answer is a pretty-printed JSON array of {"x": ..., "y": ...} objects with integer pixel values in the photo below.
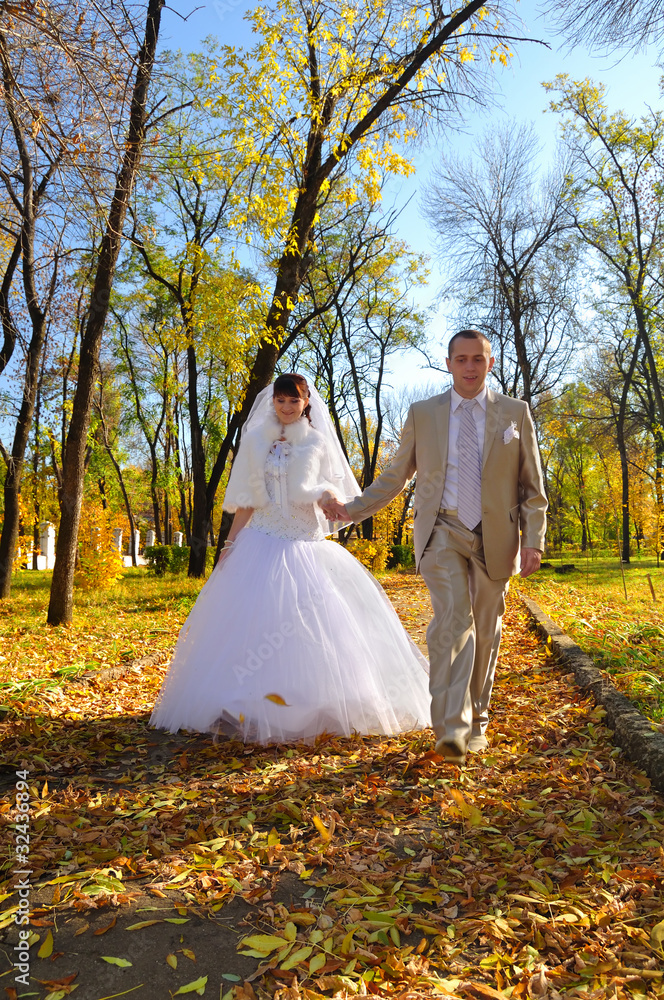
[
  {"x": 363, "y": 866},
  {"x": 613, "y": 617}
]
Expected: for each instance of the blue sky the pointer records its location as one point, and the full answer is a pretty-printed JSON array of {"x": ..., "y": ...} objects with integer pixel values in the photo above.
[{"x": 632, "y": 82}]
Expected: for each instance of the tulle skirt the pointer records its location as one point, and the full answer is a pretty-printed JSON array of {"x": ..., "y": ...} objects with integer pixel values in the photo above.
[{"x": 289, "y": 640}]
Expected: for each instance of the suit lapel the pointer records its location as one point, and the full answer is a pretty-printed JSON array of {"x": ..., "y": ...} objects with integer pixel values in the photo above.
[
  {"x": 491, "y": 424},
  {"x": 443, "y": 427}
]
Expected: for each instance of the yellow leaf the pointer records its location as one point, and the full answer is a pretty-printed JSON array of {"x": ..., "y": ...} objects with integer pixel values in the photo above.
[
  {"x": 290, "y": 931},
  {"x": 657, "y": 936},
  {"x": 142, "y": 923},
  {"x": 188, "y": 953},
  {"x": 322, "y": 829},
  {"x": 172, "y": 960},
  {"x": 317, "y": 962},
  {"x": 264, "y": 943},
  {"x": 298, "y": 956},
  {"x": 277, "y": 699},
  {"x": 467, "y": 809},
  {"x": 46, "y": 949},
  {"x": 121, "y": 962},
  {"x": 347, "y": 941},
  {"x": 197, "y": 986}
]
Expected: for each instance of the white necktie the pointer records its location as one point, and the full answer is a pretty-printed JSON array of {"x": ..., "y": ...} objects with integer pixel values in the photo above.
[{"x": 469, "y": 502}]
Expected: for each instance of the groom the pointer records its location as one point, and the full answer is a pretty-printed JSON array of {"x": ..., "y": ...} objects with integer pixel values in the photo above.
[{"x": 479, "y": 498}]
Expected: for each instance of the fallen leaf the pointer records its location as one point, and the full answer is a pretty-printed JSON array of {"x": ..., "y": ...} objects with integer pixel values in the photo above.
[
  {"x": 102, "y": 930},
  {"x": 46, "y": 948},
  {"x": 657, "y": 936},
  {"x": 276, "y": 699},
  {"x": 197, "y": 986}
]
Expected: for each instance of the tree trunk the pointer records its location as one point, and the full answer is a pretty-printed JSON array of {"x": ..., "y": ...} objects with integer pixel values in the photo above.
[
  {"x": 659, "y": 492},
  {"x": 12, "y": 487},
  {"x": 35, "y": 475},
  {"x": 584, "y": 523},
  {"x": 624, "y": 475},
  {"x": 200, "y": 519},
  {"x": 156, "y": 514},
  {"x": 12, "y": 494},
  {"x": 622, "y": 446},
  {"x": 60, "y": 609},
  {"x": 23, "y": 250},
  {"x": 398, "y": 533},
  {"x": 123, "y": 489}
]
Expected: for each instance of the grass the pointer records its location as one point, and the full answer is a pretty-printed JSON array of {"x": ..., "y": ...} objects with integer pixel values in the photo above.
[
  {"x": 623, "y": 634},
  {"x": 140, "y": 614}
]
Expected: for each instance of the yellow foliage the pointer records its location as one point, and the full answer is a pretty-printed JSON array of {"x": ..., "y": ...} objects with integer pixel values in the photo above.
[
  {"x": 100, "y": 564},
  {"x": 371, "y": 554},
  {"x": 313, "y": 76}
]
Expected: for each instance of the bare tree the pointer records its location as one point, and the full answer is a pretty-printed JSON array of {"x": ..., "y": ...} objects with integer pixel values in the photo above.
[
  {"x": 61, "y": 601},
  {"x": 62, "y": 94},
  {"x": 506, "y": 246},
  {"x": 609, "y": 24}
]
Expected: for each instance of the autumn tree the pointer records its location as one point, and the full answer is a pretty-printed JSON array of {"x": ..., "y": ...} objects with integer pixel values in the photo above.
[
  {"x": 61, "y": 600},
  {"x": 180, "y": 236},
  {"x": 149, "y": 370},
  {"x": 616, "y": 204},
  {"x": 331, "y": 90},
  {"x": 60, "y": 87},
  {"x": 612, "y": 375},
  {"x": 570, "y": 464}
]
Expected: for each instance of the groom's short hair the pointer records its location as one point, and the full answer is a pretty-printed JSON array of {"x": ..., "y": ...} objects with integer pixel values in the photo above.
[{"x": 467, "y": 335}]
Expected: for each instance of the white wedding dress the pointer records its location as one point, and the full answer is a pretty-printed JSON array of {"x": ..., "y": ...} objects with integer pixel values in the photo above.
[{"x": 292, "y": 637}]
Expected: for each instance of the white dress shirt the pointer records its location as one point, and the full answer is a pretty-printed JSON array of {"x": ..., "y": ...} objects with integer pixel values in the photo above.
[{"x": 449, "y": 500}]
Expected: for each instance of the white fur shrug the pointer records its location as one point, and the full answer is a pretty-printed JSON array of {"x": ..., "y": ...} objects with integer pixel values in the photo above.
[{"x": 309, "y": 470}]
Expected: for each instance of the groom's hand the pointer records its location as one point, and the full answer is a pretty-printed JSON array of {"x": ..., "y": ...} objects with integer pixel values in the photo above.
[
  {"x": 333, "y": 510},
  {"x": 530, "y": 561}
]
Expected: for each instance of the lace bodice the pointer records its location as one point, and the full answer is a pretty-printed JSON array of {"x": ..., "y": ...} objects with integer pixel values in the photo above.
[{"x": 281, "y": 517}]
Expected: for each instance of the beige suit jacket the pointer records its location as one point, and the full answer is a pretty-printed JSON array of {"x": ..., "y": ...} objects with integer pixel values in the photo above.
[{"x": 513, "y": 500}]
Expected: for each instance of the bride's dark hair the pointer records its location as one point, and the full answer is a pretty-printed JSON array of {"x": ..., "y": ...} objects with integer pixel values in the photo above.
[{"x": 295, "y": 386}]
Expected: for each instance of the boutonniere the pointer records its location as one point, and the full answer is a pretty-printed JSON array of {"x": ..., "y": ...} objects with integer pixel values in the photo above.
[{"x": 510, "y": 432}]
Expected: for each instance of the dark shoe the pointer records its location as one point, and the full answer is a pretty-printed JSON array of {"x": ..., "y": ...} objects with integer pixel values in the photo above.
[
  {"x": 478, "y": 742},
  {"x": 451, "y": 751}
]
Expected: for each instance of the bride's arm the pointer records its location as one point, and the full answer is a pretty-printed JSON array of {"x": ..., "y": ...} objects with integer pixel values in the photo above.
[{"x": 241, "y": 519}]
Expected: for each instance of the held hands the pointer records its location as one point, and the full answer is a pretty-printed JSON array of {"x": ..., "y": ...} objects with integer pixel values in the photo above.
[
  {"x": 530, "y": 561},
  {"x": 333, "y": 510}
]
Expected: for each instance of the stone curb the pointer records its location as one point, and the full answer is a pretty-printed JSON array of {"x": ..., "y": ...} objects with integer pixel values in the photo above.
[{"x": 632, "y": 732}]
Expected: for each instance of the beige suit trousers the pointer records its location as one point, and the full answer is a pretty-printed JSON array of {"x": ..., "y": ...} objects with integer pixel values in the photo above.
[{"x": 464, "y": 634}]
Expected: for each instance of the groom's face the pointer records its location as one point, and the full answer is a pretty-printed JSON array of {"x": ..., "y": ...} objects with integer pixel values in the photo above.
[{"x": 469, "y": 364}]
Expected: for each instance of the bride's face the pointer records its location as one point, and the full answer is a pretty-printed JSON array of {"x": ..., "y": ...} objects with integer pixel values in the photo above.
[{"x": 289, "y": 408}]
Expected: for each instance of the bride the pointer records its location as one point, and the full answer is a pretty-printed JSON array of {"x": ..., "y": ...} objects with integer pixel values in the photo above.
[{"x": 291, "y": 637}]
